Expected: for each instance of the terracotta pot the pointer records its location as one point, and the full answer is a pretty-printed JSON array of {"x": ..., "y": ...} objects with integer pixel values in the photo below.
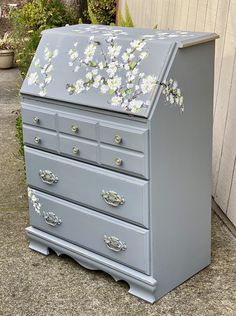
[{"x": 6, "y": 58}]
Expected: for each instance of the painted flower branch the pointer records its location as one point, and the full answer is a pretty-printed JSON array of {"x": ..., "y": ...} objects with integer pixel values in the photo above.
[
  {"x": 119, "y": 75},
  {"x": 45, "y": 71}
]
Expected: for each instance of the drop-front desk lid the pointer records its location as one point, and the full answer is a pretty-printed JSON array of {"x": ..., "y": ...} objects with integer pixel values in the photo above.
[{"x": 112, "y": 68}]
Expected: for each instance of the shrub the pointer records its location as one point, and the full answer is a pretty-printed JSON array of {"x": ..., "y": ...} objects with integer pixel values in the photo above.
[
  {"x": 28, "y": 22},
  {"x": 127, "y": 21},
  {"x": 102, "y": 11}
]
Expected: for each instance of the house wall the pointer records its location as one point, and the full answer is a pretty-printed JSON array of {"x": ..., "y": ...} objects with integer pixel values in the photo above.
[{"x": 212, "y": 16}]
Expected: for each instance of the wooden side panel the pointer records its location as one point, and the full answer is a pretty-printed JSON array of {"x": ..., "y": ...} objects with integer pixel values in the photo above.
[{"x": 210, "y": 16}]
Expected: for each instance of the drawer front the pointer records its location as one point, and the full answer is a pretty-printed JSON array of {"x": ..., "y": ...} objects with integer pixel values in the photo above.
[
  {"x": 122, "y": 136},
  {"x": 119, "y": 195},
  {"x": 78, "y": 148},
  {"x": 38, "y": 117},
  {"x": 77, "y": 126},
  {"x": 41, "y": 138},
  {"x": 93, "y": 231},
  {"x": 124, "y": 160}
]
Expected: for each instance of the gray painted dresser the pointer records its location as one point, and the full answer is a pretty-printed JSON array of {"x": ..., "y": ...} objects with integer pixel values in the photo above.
[{"x": 117, "y": 130}]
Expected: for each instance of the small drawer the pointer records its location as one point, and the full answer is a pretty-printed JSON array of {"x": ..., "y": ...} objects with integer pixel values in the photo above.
[
  {"x": 122, "y": 136},
  {"x": 41, "y": 138},
  {"x": 124, "y": 160},
  {"x": 78, "y": 148},
  {"x": 39, "y": 117},
  {"x": 112, "y": 238},
  {"x": 118, "y": 195},
  {"x": 77, "y": 126}
]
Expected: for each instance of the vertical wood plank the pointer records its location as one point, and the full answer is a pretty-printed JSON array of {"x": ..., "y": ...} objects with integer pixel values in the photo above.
[
  {"x": 201, "y": 15},
  {"x": 226, "y": 166},
  {"x": 231, "y": 212},
  {"x": 192, "y": 12}
]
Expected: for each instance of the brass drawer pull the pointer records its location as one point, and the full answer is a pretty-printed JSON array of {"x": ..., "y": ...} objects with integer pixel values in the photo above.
[
  {"x": 118, "y": 139},
  {"x": 118, "y": 161},
  {"x": 114, "y": 243},
  {"x": 37, "y": 140},
  {"x": 51, "y": 218},
  {"x": 75, "y": 150},
  {"x": 112, "y": 198},
  {"x": 48, "y": 177},
  {"x": 36, "y": 120},
  {"x": 74, "y": 129}
]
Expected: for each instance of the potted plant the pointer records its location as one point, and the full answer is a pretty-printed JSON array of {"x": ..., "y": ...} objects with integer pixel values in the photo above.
[{"x": 6, "y": 51}]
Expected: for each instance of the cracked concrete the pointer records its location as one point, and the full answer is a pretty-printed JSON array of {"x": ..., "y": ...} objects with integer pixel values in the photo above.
[{"x": 31, "y": 284}]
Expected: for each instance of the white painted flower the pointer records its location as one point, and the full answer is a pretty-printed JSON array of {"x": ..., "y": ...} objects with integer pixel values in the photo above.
[
  {"x": 73, "y": 54},
  {"x": 95, "y": 72},
  {"x": 49, "y": 68},
  {"x": 89, "y": 75},
  {"x": 37, "y": 62},
  {"x": 125, "y": 57},
  {"x": 70, "y": 64},
  {"x": 48, "y": 79},
  {"x": 141, "y": 75},
  {"x": 116, "y": 100},
  {"x": 135, "y": 105},
  {"x": 181, "y": 100},
  {"x": 114, "y": 83},
  {"x": 172, "y": 99},
  {"x": 143, "y": 55},
  {"x": 112, "y": 68},
  {"x": 138, "y": 44},
  {"x": 97, "y": 81},
  {"x": 90, "y": 51},
  {"x": 126, "y": 67},
  {"x": 47, "y": 54},
  {"x": 114, "y": 51},
  {"x": 42, "y": 93},
  {"x": 55, "y": 53},
  {"x": 79, "y": 86},
  {"x": 76, "y": 68},
  {"x": 148, "y": 83},
  {"x": 175, "y": 84},
  {"x": 33, "y": 78},
  {"x": 101, "y": 65},
  {"x": 104, "y": 88}
]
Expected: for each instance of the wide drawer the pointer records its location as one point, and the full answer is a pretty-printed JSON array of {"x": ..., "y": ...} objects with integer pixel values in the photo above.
[
  {"x": 123, "y": 136},
  {"x": 77, "y": 125},
  {"x": 78, "y": 148},
  {"x": 116, "y": 194},
  {"x": 41, "y": 138},
  {"x": 38, "y": 116},
  {"x": 124, "y": 160},
  {"x": 112, "y": 238}
]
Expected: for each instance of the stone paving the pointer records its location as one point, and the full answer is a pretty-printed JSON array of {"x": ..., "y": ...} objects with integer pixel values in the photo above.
[{"x": 34, "y": 285}]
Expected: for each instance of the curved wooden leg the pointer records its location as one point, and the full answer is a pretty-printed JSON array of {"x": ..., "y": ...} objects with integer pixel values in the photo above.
[{"x": 37, "y": 246}]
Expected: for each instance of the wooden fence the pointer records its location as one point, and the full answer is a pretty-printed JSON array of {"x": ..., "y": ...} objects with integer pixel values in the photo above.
[{"x": 217, "y": 16}]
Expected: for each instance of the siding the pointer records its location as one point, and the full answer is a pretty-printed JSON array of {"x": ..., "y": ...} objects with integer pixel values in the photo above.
[{"x": 212, "y": 16}]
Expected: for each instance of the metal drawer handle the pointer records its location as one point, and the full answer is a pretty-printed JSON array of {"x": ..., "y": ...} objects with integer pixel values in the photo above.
[
  {"x": 51, "y": 218},
  {"x": 74, "y": 129},
  {"x": 37, "y": 140},
  {"x": 112, "y": 198},
  {"x": 75, "y": 150},
  {"x": 36, "y": 120},
  {"x": 118, "y": 161},
  {"x": 118, "y": 139},
  {"x": 114, "y": 243},
  {"x": 48, "y": 177}
]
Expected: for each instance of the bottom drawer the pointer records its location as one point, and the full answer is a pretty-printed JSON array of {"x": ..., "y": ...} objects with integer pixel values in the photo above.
[{"x": 112, "y": 238}]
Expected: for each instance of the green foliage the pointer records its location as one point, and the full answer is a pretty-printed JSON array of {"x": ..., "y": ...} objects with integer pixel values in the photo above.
[
  {"x": 19, "y": 134},
  {"x": 102, "y": 11},
  {"x": 28, "y": 22},
  {"x": 127, "y": 21}
]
